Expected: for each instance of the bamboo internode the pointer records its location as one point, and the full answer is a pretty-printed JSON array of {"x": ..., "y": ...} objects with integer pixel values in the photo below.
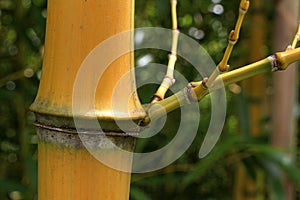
[
  {"x": 74, "y": 29},
  {"x": 296, "y": 38}
]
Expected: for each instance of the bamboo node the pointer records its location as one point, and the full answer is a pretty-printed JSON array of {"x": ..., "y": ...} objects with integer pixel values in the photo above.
[
  {"x": 233, "y": 42},
  {"x": 275, "y": 64},
  {"x": 232, "y": 38},
  {"x": 204, "y": 82},
  {"x": 244, "y": 6},
  {"x": 194, "y": 84},
  {"x": 145, "y": 122},
  {"x": 189, "y": 95},
  {"x": 173, "y": 56},
  {"x": 169, "y": 81},
  {"x": 223, "y": 68},
  {"x": 176, "y": 31},
  {"x": 156, "y": 98}
]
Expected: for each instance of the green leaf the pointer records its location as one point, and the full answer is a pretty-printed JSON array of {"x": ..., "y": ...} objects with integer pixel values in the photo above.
[
  {"x": 274, "y": 181},
  {"x": 10, "y": 185},
  {"x": 281, "y": 159},
  {"x": 205, "y": 164}
]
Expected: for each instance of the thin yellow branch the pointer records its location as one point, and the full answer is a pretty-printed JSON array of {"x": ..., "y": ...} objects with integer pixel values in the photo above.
[
  {"x": 285, "y": 58},
  {"x": 234, "y": 35},
  {"x": 232, "y": 40},
  {"x": 11, "y": 77},
  {"x": 169, "y": 79},
  {"x": 296, "y": 38},
  {"x": 174, "y": 14},
  {"x": 175, "y": 34}
]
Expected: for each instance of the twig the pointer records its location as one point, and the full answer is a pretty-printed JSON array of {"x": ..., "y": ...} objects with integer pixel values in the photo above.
[
  {"x": 11, "y": 77},
  {"x": 232, "y": 40},
  {"x": 296, "y": 39},
  {"x": 169, "y": 79}
]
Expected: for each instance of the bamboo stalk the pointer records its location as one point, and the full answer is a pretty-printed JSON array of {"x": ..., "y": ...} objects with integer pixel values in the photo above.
[
  {"x": 68, "y": 171},
  {"x": 284, "y": 121},
  {"x": 66, "y": 168}
]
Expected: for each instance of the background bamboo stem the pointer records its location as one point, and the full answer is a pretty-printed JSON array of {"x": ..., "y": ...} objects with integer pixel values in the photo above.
[{"x": 285, "y": 88}]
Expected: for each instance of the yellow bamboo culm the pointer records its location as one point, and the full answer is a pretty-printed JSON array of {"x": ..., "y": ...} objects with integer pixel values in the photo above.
[
  {"x": 169, "y": 79},
  {"x": 74, "y": 174},
  {"x": 66, "y": 170},
  {"x": 74, "y": 29}
]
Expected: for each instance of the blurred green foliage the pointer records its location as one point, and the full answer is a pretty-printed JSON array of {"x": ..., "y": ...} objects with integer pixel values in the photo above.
[{"x": 22, "y": 32}]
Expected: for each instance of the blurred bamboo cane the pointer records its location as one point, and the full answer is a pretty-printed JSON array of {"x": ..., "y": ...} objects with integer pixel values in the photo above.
[{"x": 284, "y": 120}]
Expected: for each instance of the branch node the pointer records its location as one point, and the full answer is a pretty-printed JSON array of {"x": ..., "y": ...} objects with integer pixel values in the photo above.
[
  {"x": 170, "y": 80},
  {"x": 194, "y": 84},
  {"x": 204, "y": 82},
  {"x": 244, "y": 6},
  {"x": 155, "y": 98},
  {"x": 232, "y": 38},
  {"x": 189, "y": 95},
  {"x": 275, "y": 63},
  {"x": 223, "y": 68},
  {"x": 290, "y": 47}
]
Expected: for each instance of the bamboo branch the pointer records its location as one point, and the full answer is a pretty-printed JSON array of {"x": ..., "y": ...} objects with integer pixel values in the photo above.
[
  {"x": 17, "y": 75},
  {"x": 11, "y": 77},
  {"x": 232, "y": 40},
  {"x": 234, "y": 35},
  {"x": 174, "y": 14},
  {"x": 169, "y": 79},
  {"x": 196, "y": 92},
  {"x": 296, "y": 38}
]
